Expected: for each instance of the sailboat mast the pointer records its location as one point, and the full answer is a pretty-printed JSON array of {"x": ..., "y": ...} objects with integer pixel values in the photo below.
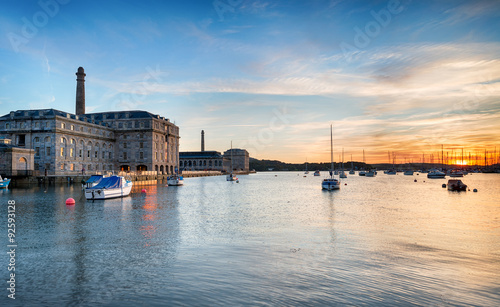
[{"x": 331, "y": 146}]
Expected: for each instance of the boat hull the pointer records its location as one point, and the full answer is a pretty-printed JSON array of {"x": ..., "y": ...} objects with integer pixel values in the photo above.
[
  {"x": 92, "y": 194},
  {"x": 175, "y": 181},
  {"x": 456, "y": 185}
]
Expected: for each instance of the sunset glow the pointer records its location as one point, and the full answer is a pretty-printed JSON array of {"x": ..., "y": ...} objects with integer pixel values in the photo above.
[{"x": 273, "y": 76}]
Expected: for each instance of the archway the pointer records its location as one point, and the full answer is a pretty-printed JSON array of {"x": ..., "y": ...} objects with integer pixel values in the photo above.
[
  {"x": 124, "y": 168},
  {"x": 142, "y": 168}
]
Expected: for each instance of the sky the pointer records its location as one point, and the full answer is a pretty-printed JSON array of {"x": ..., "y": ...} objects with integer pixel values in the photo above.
[{"x": 400, "y": 77}]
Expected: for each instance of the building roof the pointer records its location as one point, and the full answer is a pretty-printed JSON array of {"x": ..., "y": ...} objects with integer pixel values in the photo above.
[
  {"x": 97, "y": 118},
  {"x": 200, "y": 155}
]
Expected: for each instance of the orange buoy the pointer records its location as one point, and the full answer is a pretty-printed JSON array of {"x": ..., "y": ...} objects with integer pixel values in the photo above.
[
  {"x": 143, "y": 191},
  {"x": 70, "y": 202}
]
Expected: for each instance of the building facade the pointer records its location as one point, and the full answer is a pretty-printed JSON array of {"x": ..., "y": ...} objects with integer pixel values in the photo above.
[
  {"x": 240, "y": 158},
  {"x": 65, "y": 144}
]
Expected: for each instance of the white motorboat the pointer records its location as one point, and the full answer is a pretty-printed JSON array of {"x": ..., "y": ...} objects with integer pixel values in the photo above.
[
  {"x": 175, "y": 180},
  {"x": 109, "y": 187},
  {"x": 317, "y": 173},
  {"x": 435, "y": 174},
  {"x": 331, "y": 183},
  {"x": 409, "y": 173}
]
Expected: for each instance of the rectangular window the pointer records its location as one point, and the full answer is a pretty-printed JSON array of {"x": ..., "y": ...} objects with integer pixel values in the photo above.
[
  {"x": 71, "y": 153},
  {"x": 141, "y": 144},
  {"x": 72, "y": 127},
  {"x": 124, "y": 156},
  {"x": 62, "y": 152},
  {"x": 141, "y": 155},
  {"x": 22, "y": 140},
  {"x": 88, "y": 153},
  {"x": 95, "y": 154},
  {"x": 124, "y": 145},
  {"x": 103, "y": 154},
  {"x": 156, "y": 155},
  {"x": 80, "y": 153},
  {"x": 37, "y": 151},
  {"x": 47, "y": 151},
  {"x": 72, "y": 167},
  {"x": 110, "y": 155}
]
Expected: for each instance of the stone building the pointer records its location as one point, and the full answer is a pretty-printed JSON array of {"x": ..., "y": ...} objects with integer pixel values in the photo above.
[
  {"x": 15, "y": 161},
  {"x": 201, "y": 160},
  {"x": 240, "y": 157},
  {"x": 65, "y": 144}
]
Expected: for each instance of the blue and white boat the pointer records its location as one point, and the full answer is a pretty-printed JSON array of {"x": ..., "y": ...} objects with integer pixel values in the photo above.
[
  {"x": 175, "y": 180},
  {"x": 4, "y": 182},
  {"x": 331, "y": 183},
  {"x": 109, "y": 187}
]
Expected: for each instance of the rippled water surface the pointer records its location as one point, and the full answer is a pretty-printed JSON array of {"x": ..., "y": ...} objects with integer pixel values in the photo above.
[{"x": 272, "y": 239}]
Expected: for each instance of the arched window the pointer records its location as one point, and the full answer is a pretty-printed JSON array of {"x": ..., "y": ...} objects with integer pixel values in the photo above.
[
  {"x": 97, "y": 148},
  {"x": 89, "y": 148}
]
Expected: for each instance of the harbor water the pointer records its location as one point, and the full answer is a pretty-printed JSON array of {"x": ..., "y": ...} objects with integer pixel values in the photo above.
[{"x": 273, "y": 239}]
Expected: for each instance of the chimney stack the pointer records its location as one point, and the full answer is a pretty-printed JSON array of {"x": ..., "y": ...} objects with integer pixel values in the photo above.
[
  {"x": 80, "y": 91},
  {"x": 202, "y": 140}
]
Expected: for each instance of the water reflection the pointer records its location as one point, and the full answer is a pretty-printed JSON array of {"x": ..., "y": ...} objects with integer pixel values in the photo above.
[{"x": 270, "y": 239}]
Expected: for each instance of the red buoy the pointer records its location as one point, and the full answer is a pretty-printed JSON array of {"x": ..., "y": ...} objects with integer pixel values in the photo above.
[
  {"x": 143, "y": 191},
  {"x": 70, "y": 202}
]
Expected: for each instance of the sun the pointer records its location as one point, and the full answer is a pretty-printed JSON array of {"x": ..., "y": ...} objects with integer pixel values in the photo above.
[{"x": 461, "y": 162}]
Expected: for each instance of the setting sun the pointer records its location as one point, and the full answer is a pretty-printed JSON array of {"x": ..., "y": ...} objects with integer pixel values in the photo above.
[{"x": 462, "y": 162}]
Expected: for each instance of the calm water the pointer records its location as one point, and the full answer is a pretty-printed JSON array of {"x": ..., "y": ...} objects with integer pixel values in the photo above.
[{"x": 274, "y": 239}]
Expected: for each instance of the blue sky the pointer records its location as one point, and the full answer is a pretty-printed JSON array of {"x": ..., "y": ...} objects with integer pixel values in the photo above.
[{"x": 398, "y": 76}]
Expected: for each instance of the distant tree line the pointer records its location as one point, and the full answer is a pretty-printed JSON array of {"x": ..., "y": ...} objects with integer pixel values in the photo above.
[{"x": 275, "y": 165}]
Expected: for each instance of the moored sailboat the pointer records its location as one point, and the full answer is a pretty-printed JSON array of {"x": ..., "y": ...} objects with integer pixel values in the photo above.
[
  {"x": 331, "y": 183},
  {"x": 231, "y": 176}
]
